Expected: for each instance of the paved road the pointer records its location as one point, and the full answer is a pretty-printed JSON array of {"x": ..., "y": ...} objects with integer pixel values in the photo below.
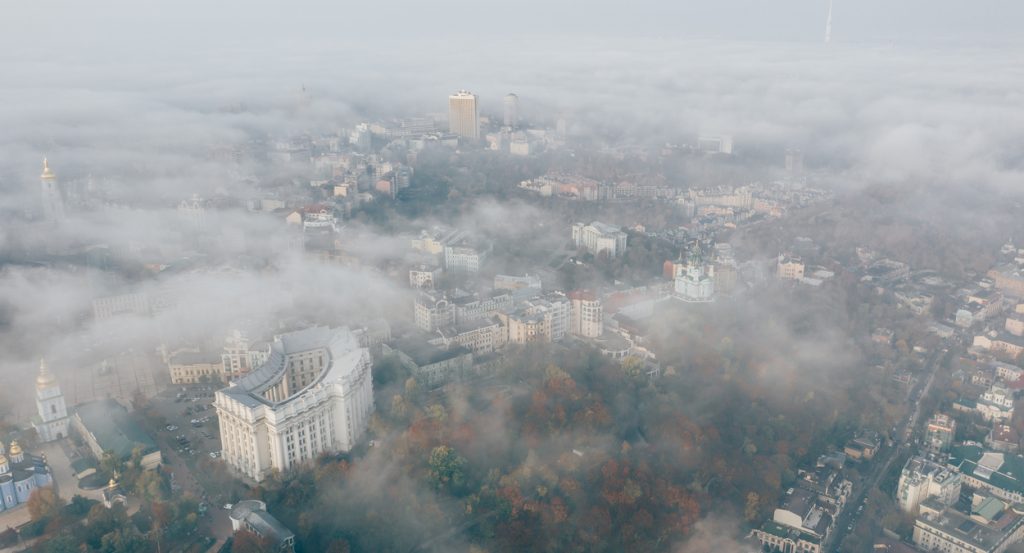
[{"x": 850, "y": 516}]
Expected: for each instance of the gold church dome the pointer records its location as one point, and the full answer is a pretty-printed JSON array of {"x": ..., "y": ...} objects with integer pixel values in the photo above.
[
  {"x": 45, "y": 378},
  {"x": 15, "y": 449},
  {"x": 47, "y": 173},
  {"x": 3, "y": 459}
]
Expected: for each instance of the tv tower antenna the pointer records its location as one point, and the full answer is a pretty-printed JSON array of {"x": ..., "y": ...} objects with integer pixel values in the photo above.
[{"x": 828, "y": 24}]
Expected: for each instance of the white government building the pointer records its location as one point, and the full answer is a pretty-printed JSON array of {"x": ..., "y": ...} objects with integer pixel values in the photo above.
[{"x": 314, "y": 394}]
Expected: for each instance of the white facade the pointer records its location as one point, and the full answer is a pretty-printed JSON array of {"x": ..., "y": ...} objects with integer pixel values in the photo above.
[
  {"x": 587, "y": 315},
  {"x": 697, "y": 283},
  {"x": 313, "y": 395},
  {"x": 53, "y": 412},
  {"x": 996, "y": 404},
  {"x": 241, "y": 356},
  {"x": 53, "y": 201},
  {"x": 464, "y": 114},
  {"x": 923, "y": 479},
  {"x": 598, "y": 237},
  {"x": 462, "y": 259}
]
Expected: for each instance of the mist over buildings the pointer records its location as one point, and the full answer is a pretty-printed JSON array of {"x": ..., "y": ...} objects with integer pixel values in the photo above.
[{"x": 912, "y": 114}]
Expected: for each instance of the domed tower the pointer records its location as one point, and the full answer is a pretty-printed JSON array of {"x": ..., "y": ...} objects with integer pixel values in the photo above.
[
  {"x": 17, "y": 455},
  {"x": 52, "y": 422},
  {"x": 53, "y": 201}
]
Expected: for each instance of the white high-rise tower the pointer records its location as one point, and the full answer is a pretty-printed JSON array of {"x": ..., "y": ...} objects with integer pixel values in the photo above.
[
  {"x": 828, "y": 24},
  {"x": 464, "y": 114},
  {"x": 53, "y": 202},
  {"x": 52, "y": 423}
]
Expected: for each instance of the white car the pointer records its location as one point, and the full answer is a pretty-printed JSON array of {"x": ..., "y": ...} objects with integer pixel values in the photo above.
[{"x": 228, "y": 506}]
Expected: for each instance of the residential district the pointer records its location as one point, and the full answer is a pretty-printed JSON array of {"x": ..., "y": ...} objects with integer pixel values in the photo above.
[{"x": 633, "y": 322}]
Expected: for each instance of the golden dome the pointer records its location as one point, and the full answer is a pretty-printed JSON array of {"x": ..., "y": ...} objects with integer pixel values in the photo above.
[
  {"x": 3, "y": 459},
  {"x": 47, "y": 173},
  {"x": 15, "y": 448},
  {"x": 112, "y": 484},
  {"x": 45, "y": 378}
]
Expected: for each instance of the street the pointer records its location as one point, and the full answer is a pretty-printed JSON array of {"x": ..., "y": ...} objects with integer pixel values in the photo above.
[{"x": 849, "y": 517}]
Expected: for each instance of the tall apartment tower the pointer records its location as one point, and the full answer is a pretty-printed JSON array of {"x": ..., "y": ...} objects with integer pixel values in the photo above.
[
  {"x": 53, "y": 202},
  {"x": 464, "y": 114},
  {"x": 511, "y": 110}
]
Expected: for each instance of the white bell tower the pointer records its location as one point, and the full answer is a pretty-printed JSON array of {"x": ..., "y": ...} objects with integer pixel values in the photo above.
[{"x": 53, "y": 413}]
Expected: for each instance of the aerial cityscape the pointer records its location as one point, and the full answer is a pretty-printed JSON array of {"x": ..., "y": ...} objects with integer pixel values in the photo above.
[{"x": 453, "y": 277}]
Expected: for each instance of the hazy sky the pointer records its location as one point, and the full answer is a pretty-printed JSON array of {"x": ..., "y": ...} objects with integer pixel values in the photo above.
[{"x": 30, "y": 28}]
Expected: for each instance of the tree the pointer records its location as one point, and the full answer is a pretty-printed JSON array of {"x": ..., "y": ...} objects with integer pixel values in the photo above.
[
  {"x": 447, "y": 468},
  {"x": 124, "y": 540},
  {"x": 43, "y": 504},
  {"x": 79, "y": 506},
  {"x": 251, "y": 542}
]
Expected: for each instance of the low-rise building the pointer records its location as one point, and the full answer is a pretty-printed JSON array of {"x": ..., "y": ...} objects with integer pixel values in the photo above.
[
  {"x": 1000, "y": 343},
  {"x": 107, "y": 427},
  {"x": 424, "y": 276},
  {"x": 242, "y": 355},
  {"x": 991, "y": 526},
  {"x": 429, "y": 364},
  {"x": 542, "y": 319},
  {"x": 480, "y": 336},
  {"x": 432, "y": 310},
  {"x": 598, "y": 237},
  {"x": 190, "y": 367},
  {"x": 801, "y": 523},
  {"x": 587, "y": 314},
  {"x": 789, "y": 267},
  {"x": 864, "y": 446},
  {"x": 996, "y": 403},
  {"x": 998, "y": 473},
  {"x": 251, "y": 515},
  {"x": 465, "y": 255},
  {"x": 1003, "y": 438},
  {"x": 513, "y": 283},
  {"x": 940, "y": 432}
]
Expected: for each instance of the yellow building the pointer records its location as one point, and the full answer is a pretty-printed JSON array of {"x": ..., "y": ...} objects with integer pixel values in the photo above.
[{"x": 194, "y": 367}]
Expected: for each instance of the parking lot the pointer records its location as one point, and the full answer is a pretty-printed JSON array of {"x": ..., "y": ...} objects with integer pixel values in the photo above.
[{"x": 191, "y": 428}]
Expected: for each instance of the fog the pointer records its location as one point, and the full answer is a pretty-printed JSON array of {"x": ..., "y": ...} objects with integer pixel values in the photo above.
[{"x": 133, "y": 102}]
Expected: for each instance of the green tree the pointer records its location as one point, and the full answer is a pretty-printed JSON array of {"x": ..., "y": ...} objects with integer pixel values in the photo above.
[{"x": 447, "y": 468}]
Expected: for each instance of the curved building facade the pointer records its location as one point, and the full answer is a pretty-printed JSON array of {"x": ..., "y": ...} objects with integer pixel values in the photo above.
[{"x": 314, "y": 394}]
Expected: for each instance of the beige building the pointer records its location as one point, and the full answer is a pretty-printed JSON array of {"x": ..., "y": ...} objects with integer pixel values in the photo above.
[
  {"x": 1009, "y": 279},
  {"x": 313, "y": 395},
  {"x": 599, "y": 237},
  {"x": 789, "y": 267},
  {"x": 480, "y": 336},
  {"x": 240, "y": 355},
  {"x": 991, "y": 526},
  {"x": 464, "y": 114},
  {"x": 922, "y": 479},
  {"x": 189, "y": 367},
  {"x": 542, "y": 319},
  {"x": 587, "y": 314}
]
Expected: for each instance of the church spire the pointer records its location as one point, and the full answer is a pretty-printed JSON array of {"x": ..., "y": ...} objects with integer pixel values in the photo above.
[
  {"x": 47, "y": 173},
  {"x": 45, "y": 378}
]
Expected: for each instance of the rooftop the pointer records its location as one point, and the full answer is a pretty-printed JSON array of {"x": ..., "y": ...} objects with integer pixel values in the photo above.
[
  {"x": 113, "y": 428},
  {"x": 1001, "y": 470},
  {"x": 988, "y": 528},
  {"x": 254, "y": 514}
]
